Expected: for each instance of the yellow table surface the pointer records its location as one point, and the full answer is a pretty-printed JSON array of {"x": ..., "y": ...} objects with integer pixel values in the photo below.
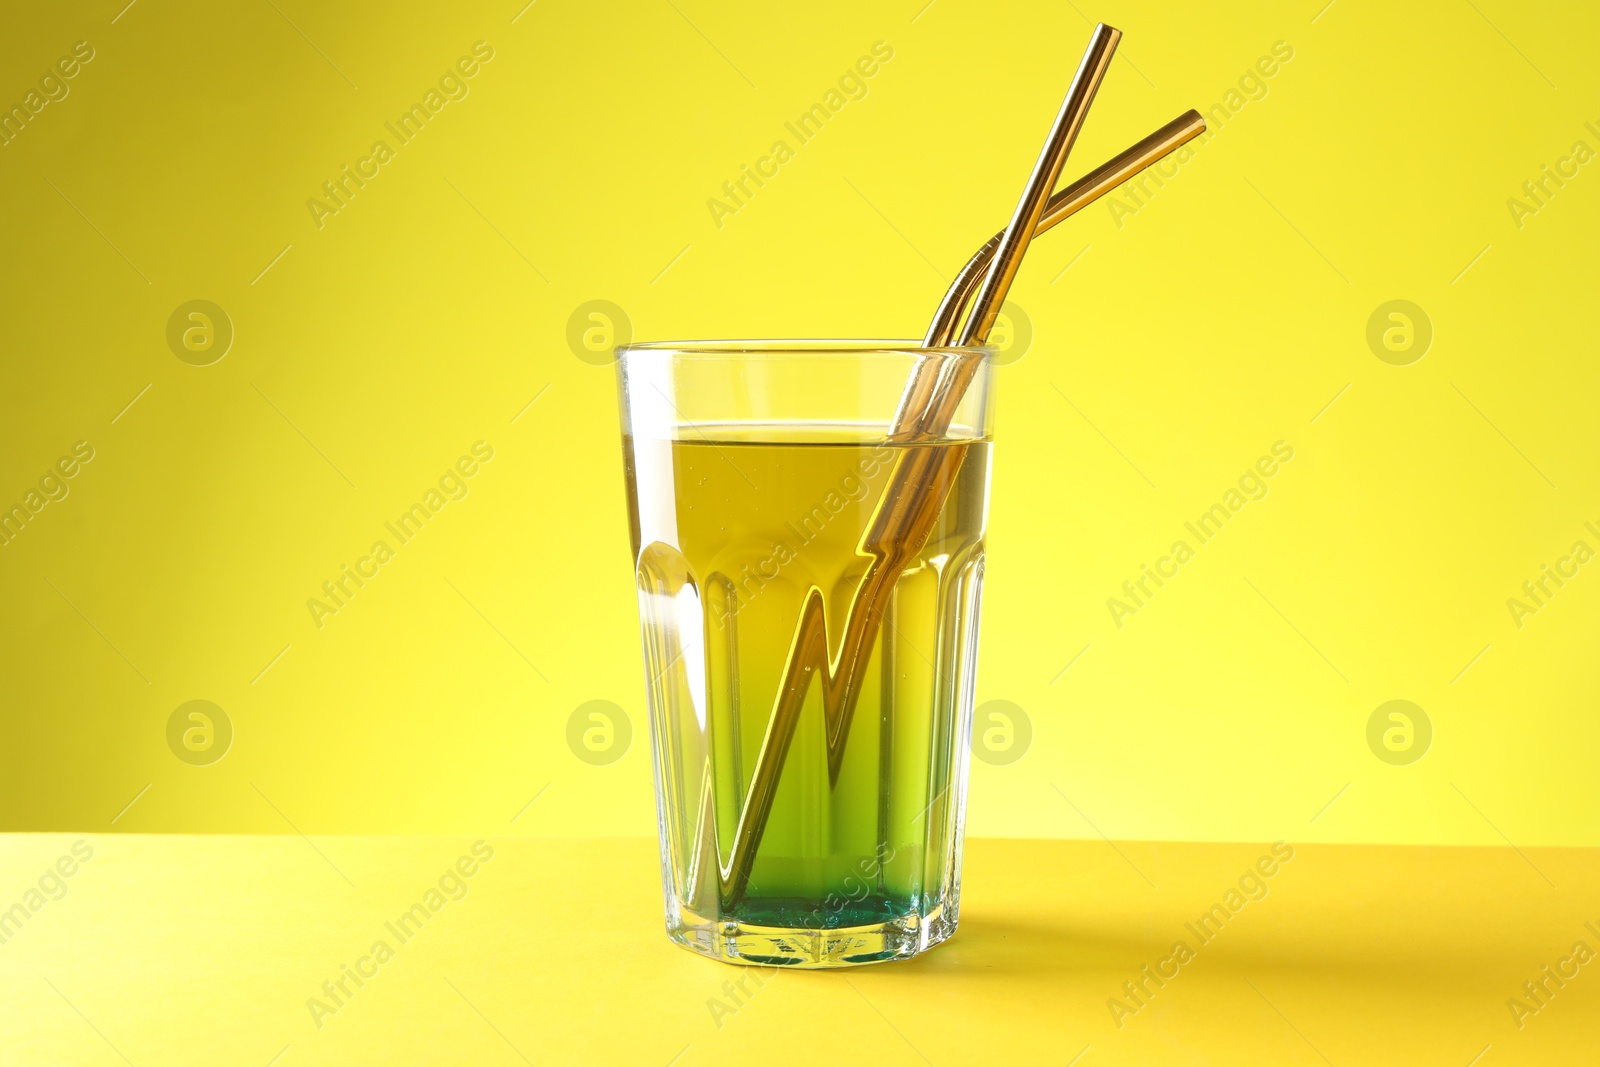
[{"x": 206, "y": 950}]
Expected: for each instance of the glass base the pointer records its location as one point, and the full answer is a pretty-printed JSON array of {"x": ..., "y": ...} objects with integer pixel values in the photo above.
[{"x": 810, "y": 948}]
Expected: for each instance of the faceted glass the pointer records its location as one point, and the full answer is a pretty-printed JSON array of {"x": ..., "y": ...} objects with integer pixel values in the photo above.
[{"x": 809, "y": 663}]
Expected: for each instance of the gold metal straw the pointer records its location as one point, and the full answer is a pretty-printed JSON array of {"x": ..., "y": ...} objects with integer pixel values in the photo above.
[{"x": 1014, "y": 243}]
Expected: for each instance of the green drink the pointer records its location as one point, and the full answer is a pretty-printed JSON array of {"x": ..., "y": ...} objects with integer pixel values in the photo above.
[{"x": 810, "y": 809}]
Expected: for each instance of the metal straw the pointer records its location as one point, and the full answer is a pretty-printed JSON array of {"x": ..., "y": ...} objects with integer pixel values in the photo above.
[{"x": 1014, "y": 243}]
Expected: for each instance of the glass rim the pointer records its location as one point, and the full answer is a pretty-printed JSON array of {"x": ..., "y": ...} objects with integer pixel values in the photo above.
[{"x": 798, "y": 347}]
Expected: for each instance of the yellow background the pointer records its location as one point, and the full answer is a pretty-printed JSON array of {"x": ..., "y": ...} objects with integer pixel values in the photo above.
[{"x": 1169, "y": 353}]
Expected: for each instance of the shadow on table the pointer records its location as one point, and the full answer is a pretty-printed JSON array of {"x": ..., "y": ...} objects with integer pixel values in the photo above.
[{"x": 1000, "y": 947}]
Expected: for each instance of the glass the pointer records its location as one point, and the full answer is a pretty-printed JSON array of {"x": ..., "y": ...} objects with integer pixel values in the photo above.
[{"x": 809, "y": 676}]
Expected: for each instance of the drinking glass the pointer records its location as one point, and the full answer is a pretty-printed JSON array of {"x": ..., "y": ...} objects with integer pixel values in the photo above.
[{"x": 809, "y": 651}]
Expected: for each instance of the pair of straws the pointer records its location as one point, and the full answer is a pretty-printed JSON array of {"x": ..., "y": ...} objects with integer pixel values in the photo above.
[
  {"x": 934, "y": 391},
  {"x": 914, "y": 495}
]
